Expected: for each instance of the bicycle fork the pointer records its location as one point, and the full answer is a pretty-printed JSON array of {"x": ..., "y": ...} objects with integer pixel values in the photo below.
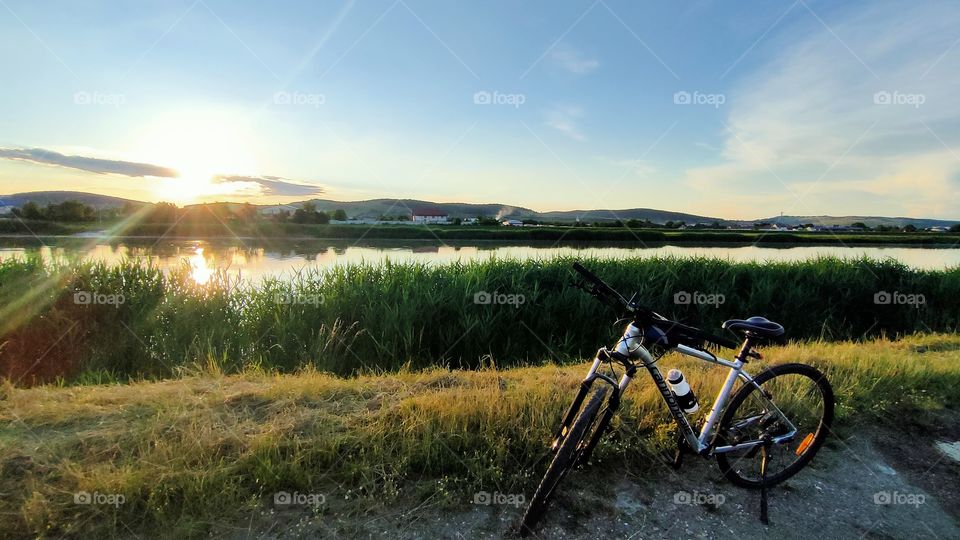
[{"x": 613, "y": 403}]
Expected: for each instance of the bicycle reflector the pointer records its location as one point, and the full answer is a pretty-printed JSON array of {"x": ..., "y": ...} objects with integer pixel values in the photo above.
[{"x": 804, "y": 444}]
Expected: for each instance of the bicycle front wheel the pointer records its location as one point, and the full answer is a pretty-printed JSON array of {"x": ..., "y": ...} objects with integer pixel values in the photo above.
[
  {"x": 798, "y": 391},
  {"x": 570, "y": 449}
]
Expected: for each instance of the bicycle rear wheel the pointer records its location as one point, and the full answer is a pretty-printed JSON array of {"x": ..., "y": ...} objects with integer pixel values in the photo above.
[
  {"x": 570, "y": 449},
  {"x": 804, "y": 396}
]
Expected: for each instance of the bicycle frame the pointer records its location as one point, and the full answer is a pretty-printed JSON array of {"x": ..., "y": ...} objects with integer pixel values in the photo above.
[{"x": 630, "y": 352}]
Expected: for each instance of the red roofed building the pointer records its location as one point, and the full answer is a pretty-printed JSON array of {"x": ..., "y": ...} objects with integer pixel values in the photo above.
[{"x": 429, "y": 215}]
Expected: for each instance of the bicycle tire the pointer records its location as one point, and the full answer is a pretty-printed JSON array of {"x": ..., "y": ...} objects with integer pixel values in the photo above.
[
  {"x": 733, "y": 473},
  {"x": 565, "y": 457}
]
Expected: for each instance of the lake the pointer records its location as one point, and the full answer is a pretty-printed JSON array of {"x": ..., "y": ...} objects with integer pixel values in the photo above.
[{"x": 256, "y": 259}]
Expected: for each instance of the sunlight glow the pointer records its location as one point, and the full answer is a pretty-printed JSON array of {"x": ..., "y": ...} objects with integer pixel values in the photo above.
[{"x": 201, "y": 145}]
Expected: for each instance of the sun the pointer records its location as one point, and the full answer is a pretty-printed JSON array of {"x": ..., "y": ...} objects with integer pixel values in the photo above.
[{"x": 200, "y": 145}]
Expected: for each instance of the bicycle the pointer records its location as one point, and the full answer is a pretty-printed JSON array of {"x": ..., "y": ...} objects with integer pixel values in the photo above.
[{"x": 757, "y": 443}]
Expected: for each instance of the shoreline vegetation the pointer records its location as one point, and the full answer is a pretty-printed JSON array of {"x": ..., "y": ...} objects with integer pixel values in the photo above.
[
  {"x": 245, "y": 221},
  {"x": 131, "y": 320},
  {"x": 268, "y": 230},
  {"x": 192, "y": 457}
]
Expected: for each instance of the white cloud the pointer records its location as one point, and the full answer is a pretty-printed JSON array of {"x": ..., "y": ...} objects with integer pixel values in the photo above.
[
  {"x": 564, "y": 119},
  {"x": 573, "y": 60},
  {"x": 806, "y": 125}
]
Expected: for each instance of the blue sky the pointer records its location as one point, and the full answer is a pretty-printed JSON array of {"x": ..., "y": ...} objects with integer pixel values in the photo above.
[{"x": 729, "y": 109}]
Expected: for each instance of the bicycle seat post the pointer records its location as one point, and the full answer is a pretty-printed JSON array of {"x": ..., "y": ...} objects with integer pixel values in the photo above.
[{"x": 746, "y": 349}]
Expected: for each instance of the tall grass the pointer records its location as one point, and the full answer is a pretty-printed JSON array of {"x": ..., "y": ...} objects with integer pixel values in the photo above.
[{"x": 386, "y": 316}]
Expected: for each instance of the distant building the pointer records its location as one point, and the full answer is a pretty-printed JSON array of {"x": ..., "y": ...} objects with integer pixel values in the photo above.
[
  {"x": 469, "y": 221},
  {"x": 512, "y": 223},
  {"x": 429, "y": 215}
]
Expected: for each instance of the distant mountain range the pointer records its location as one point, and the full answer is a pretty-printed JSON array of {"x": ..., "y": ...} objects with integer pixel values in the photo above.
[{"x": 375, "y": 208}]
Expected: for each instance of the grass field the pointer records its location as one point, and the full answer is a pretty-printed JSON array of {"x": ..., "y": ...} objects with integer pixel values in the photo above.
[
  {"x": 389, "y": 316},
  {"x": 192, "y": 456}
]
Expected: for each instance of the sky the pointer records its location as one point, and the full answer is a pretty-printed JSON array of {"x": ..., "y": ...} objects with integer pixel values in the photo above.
[{"x": 739, "y": 110}]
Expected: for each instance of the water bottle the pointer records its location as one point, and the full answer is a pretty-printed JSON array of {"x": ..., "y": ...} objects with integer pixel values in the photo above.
[{"x": 682, "y": 392}]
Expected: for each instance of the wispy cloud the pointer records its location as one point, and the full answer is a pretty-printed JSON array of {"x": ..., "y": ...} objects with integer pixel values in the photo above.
[
  {"x": 84, "y": 163},
  {"x": 813, "y": 129},
  {"x": 276, "y": 186},
  {"x": 564, "y": 119},
  {"x": 573, "y": 60}
]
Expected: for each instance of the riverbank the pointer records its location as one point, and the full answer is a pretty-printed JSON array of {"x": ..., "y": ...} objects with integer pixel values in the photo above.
[{"x": 293, "y": 231}]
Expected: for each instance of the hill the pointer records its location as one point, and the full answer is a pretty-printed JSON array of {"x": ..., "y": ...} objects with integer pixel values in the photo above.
[
  {"x": 869, "y": 221},
  {"x": 374, "y": 208},
  {"x": 44, "y": 198}
]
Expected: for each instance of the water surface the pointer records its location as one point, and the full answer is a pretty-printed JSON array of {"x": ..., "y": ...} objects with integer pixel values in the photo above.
[{"x": 253, "y": 260}]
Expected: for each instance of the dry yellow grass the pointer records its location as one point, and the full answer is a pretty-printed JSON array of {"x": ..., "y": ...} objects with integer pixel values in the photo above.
[{"x": 189, "y": 454}]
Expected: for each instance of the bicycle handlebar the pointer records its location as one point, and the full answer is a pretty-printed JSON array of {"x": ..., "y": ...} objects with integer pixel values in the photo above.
[{"x": 601, "y": 289}]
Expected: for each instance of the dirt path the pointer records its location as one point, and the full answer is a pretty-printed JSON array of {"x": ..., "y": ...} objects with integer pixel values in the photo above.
[{"x": 888, "y": 484}]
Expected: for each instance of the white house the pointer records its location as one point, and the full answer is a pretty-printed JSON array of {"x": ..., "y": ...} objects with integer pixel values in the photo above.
[{"x": 429, "y": 215}]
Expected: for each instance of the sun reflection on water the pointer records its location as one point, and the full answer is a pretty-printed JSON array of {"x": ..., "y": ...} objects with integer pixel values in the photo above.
[{"x": 200, "y": 271}]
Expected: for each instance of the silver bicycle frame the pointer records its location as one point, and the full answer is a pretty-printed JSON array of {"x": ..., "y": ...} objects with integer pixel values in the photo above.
[{"x": 630, "y": 345}]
